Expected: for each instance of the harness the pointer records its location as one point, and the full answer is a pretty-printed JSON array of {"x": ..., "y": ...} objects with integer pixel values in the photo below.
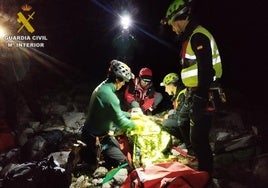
[{"x": 100, "y": 147}]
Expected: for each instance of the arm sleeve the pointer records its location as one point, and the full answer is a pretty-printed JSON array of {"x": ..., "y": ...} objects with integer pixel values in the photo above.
[
  {"x": 148, "y": 102},
  {"x": 152, "y": 100},
  {"x": 120, "y": 118},
  {"x": 182, "y": 110},
  {"x": 201, "y": 46},
  {"x": 180, "y": 101}
]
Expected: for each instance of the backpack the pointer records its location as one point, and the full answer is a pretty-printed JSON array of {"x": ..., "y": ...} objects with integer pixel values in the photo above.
[{"x": 41, "y": 174}]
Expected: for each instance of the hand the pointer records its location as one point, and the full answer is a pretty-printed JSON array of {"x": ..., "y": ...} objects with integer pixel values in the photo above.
[
  {"x": 136, "y": 110},
  {"x": 132, "y": 127},
  {"x": 171, "y": 112}
]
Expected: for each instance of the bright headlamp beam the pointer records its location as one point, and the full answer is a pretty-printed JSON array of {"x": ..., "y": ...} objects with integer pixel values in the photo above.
[{"x": 125, "y": 21}]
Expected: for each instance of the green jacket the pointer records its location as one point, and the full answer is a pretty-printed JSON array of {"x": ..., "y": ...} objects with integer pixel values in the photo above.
[{"x": 104, "y": 111}]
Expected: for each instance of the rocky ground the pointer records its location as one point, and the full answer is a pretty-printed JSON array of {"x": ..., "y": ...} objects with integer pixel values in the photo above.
[{"x": 238, "y": 140}]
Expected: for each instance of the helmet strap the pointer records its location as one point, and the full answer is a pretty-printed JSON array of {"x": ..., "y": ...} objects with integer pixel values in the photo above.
[{"x": 180, "y": 15}]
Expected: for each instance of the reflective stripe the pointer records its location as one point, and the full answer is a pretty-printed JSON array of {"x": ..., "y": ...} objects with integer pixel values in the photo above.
[
  {"x": 177, "y": 102},
  {"x": 189, "y": 75},
  {"x": 188, "y": 56}
]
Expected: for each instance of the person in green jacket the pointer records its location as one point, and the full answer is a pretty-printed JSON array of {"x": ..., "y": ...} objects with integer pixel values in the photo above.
[{"x": 104, "y": 114}]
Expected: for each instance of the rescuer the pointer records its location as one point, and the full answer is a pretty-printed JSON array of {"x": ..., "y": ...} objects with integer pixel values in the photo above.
[
  {"x": 104, "y": 113},
  {"x": 201, "y": 66},
  {"x": 177, "y": 122},
  {"x": 141, "y": 93}
]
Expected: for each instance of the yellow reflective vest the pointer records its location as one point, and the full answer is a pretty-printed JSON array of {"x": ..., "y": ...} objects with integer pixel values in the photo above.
[
  {"x": 189, "y": 75},
  {"x": 177, "y": 101}
]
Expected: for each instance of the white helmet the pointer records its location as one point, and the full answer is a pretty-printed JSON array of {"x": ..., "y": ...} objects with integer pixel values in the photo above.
[{"x": 121, "y": 70}]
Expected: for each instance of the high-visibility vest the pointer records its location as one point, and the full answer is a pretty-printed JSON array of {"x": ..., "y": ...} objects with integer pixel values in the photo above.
[
  {"x": 189, "y": 75},
  {"x": 176, "y": 102}
]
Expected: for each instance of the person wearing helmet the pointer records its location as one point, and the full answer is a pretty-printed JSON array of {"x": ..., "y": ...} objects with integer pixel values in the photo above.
[
  {"x": 200, "y": 67},
  {"x": 104, "y": 113},
  {"x": 177, "y": 121},
  {"x": 141, "y": 93}
]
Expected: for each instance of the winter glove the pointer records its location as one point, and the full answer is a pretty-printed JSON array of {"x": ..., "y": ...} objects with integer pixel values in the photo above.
[
  {"x": 172, "y": 114},
  {"x": 136, "y": 111},
  {"x": 134, "y": 104}
]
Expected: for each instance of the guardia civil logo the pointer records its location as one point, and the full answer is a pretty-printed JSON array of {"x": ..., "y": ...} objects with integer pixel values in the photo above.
[{"x": 25, "y": 17}]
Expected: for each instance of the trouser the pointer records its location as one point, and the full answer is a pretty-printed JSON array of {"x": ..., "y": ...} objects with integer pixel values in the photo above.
[
  {"x": 113, "y": 155},
  {"x": 185, "y": 133},
  {"x": 110, "y": 150},
  {"x": 201, "y": 121},
  {"x": 171, "y": 126},
  {"x": 184, "y": 124}
]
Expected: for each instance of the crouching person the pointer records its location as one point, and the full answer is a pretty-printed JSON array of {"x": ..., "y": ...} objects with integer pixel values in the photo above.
[
  {"x": 177, "y": 121},
  {"x": 103, "y": 114}
]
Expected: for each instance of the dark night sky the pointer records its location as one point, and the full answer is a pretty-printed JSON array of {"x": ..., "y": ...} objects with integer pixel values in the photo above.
[{"x": 80, "y": 34}]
